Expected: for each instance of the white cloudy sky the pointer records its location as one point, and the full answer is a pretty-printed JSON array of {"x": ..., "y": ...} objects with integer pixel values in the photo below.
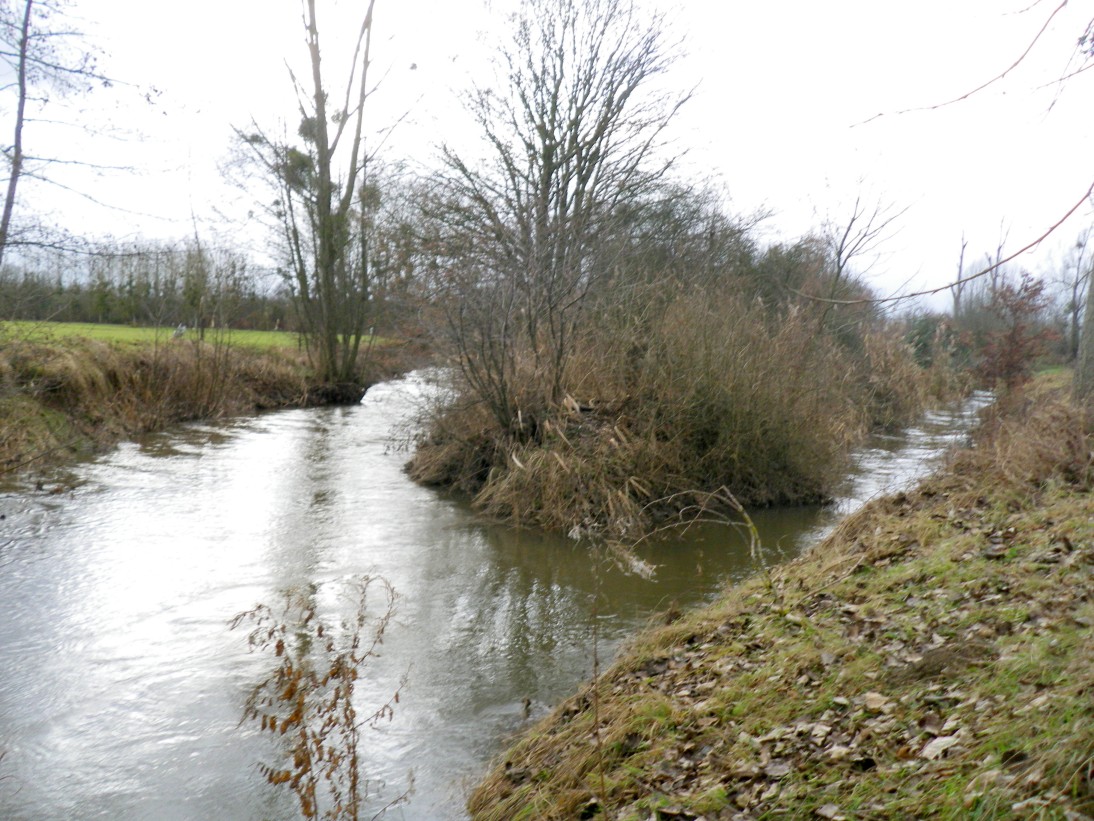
[{"x": 784, "y": 92}]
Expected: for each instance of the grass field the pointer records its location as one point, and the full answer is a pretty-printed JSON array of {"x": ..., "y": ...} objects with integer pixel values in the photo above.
[{"x": 129, "y": 334}]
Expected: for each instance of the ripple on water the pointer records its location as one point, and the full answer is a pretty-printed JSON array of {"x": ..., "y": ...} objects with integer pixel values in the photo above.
[{"x": 121, "y": 686}]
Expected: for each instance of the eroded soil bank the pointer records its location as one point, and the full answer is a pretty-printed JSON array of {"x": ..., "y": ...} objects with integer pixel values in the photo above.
[{"x": 930, "y": 658}]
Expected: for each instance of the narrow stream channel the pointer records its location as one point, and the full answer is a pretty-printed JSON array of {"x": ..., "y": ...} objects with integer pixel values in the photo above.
[{"x": 122, "y": 687}]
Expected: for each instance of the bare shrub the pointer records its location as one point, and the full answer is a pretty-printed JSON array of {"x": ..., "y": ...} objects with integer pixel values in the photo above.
[{"x": 308, "y": 700}]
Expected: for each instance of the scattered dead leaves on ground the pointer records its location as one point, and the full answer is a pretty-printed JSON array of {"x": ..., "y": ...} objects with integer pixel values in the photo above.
[{"x": 932, "y": 658}]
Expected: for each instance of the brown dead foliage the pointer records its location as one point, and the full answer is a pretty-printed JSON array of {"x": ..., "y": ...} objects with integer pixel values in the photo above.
[
  {"x": 715, "y": 395},
  {"x": 307, "y": 701},
  {"x": 75, "y": 396}
]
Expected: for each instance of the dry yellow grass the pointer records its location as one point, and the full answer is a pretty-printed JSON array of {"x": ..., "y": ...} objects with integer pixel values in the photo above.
[{"x": 71, "y": 396}]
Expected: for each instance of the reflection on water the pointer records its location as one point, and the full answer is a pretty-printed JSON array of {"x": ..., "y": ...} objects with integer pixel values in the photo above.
[{"x": 121, "y": 688}]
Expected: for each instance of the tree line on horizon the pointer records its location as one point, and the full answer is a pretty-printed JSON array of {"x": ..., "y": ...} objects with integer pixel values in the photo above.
[{"x": 569, "y": 214}]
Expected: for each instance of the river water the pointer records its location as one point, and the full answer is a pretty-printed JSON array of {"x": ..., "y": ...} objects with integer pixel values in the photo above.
[{"x": 122, "y": 686}]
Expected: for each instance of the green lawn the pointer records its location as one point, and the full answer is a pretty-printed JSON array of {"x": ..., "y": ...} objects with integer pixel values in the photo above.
[{"x": 43, "y": 331}]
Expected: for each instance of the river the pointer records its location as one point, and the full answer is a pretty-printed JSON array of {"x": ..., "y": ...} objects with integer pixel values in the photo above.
[{"x": 122, "y": 686}]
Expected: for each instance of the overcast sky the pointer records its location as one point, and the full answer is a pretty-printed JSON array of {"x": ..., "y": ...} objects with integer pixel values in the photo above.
[{"x": 785, "y": 113}]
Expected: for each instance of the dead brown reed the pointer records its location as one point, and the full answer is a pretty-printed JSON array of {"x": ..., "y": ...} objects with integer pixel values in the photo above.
[
  {"x": 1031, "y": 441},
  {"x": 717, "y": 394},
  {"x": 895, "y": 389},
  {"x": 74, "y": 395}
]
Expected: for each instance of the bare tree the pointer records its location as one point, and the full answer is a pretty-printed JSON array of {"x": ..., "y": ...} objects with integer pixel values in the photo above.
[
  {"x": 995, "y": 265},
  {"x": 859, "y": 236},
  {"x": 323, "y": 202},
  {"x": 854, "y": 242},
  {"x": 36, "y": 46},
  {"x": 957, "y": 289},
  {"x": 570, "y": 132},
  {"x": 1084, "y": 366},
  {"x": 1074, "y": 279}
]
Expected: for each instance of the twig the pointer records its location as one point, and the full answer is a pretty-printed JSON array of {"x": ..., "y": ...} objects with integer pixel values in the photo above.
[
  {"x": 981, "y": 87},
  {"x": 998, "y": 264}
]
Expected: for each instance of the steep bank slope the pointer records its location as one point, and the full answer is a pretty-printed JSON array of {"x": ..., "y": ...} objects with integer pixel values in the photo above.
[{"x": 931, "y": 658}]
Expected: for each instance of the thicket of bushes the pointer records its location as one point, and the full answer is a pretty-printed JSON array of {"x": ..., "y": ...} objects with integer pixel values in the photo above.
[
  {"x": 623, "y": 350},
  {"x": 677, "y": 401}
]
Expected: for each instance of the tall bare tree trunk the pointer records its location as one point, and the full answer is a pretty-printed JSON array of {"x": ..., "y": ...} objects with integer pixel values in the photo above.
[
  {"x": 17, "y": 142},
  {"x": 1084, "y": 367}
]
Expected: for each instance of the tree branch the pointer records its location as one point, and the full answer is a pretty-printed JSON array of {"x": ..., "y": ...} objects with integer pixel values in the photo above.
[
  {"x": 981, "y": 87},
  {"x": 961, "y": 281}
]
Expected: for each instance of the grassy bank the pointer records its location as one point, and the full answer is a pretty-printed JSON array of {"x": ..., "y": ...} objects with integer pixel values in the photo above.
[
  {"x": 44, "y": 332},
  {"x": 63, "y": 394},
  {"x": 931, "y": 658},
  {"x": 142, "y": 335}
]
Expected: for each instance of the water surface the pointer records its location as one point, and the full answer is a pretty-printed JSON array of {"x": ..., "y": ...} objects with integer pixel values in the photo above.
[{"x": 122, "y": 688}]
